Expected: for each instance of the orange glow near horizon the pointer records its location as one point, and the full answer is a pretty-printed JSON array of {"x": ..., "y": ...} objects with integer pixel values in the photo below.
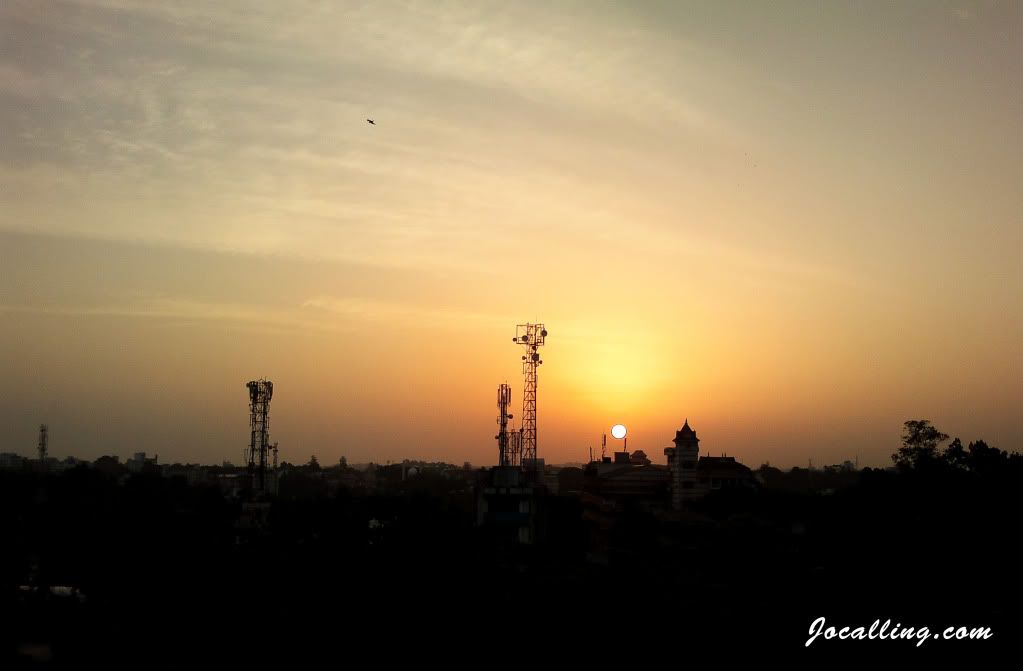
[{"x": 795, "y": 255}]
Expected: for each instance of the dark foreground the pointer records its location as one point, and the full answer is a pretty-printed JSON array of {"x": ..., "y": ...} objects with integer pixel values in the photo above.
[{"x": 162, "y": 576}]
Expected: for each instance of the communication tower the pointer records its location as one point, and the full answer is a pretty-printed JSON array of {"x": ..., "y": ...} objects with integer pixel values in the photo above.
[
  {"x": 44, "y": 441},
  {"x": 503, "y": 438},
  {"x": 531, "y": 337},
  {"x": 260, "y": 393}
]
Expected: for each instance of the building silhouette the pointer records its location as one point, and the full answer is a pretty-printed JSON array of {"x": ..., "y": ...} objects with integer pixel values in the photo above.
[
  {"x": 683, "y": 459},
  {"x": 694, "y": 476}
]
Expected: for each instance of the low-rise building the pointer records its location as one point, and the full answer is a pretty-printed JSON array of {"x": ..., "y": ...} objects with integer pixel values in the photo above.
[
  {"x": 9, "y": 460},
  {"x": 694, "y": 476},
  {"x": 509, "y": 503},
  {"x": 139, "y": 461}
]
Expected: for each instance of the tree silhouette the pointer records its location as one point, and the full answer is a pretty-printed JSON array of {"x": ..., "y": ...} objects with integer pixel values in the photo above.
[
  {"x": 982, "y": 458},
  {"x": 919, "y": 451},
  {"x": 956, "y": 455},
  {"x": 109, "y": 466}
]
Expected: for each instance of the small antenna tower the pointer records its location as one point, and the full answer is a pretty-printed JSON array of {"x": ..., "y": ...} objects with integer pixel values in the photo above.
[
  {"x": 260, "y": 393},
  {"x": 44, "y": 441},
  {"x": 503, "y": 438}
]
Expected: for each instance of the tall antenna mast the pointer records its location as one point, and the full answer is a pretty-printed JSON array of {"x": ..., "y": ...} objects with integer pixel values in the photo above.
[
  {"x": 531, "y": 337},
  {"x": 503, "y": 441},
  {"x": 44, "y": 441},
  {"x": 260, "y": 393}
]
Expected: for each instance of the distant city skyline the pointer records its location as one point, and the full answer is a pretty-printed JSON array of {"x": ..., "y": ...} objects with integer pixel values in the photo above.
[{"x": 797, "y": 226}]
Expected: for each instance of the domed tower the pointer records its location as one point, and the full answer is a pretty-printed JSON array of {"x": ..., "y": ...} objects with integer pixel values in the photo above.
[{"x": 682, "y": 460}]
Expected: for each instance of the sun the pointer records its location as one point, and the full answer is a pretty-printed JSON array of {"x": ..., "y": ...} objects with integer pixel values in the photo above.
[{"x": 618, "y": 431}]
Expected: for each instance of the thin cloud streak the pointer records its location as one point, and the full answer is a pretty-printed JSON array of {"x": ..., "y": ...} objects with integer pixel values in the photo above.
[
  {"x": 373, "y": 310},
  {"x": 185, "y": 310}
]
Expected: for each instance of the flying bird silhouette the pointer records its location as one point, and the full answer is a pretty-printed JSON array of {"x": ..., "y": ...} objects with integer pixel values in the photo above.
[{"x": 371, "y": 121}]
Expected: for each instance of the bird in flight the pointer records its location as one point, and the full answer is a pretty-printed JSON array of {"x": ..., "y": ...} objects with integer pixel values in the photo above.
[{"x": 371, "y": 121}]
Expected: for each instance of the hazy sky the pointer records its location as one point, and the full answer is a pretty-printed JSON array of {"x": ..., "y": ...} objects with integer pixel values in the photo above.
[{"x": 797, "y": 225}]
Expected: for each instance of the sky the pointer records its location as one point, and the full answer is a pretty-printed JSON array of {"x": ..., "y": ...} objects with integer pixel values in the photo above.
[{"x": 796, "y": 225}]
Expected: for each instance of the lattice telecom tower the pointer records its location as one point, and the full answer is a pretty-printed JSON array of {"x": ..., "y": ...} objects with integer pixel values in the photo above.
[
  {"x": 260, "y": 393},
  {"x": 504, "y": 457},
  {"x": 531, "y": 337},
  {"x": 44, "y": 441}
]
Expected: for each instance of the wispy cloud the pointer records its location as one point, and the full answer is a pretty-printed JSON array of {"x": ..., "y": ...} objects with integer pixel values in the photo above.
[
  {"x": 183, "y": 310},
  {"x": 249, "y": 120},
  {"x": 382, "y": 311}
]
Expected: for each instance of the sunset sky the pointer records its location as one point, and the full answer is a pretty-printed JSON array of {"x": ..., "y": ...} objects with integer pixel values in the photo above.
[{"x": 795, "y": 225}]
